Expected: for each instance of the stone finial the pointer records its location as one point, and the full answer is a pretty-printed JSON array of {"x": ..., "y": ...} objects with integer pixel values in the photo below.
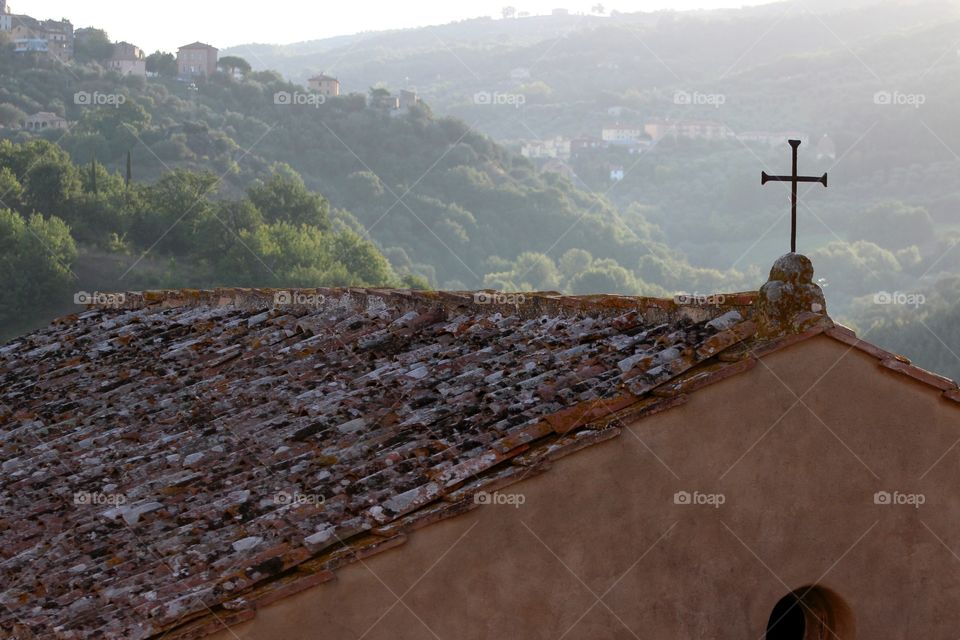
[{"x": 790, "y": 301}]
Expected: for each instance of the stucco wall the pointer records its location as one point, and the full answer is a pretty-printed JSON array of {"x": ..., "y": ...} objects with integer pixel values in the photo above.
[{"x": 799, "y": 508}]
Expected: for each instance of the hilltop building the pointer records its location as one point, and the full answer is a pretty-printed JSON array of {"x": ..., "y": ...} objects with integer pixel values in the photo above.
[
  {"x": 408, "y": 98},
  {"x": 43, "y": 121},
  {"x": 558, "y": 147},
  {"x": 128, "y": 60},
  {"x": 196, "y": 60},
  {"x": 324, "y": 85},
  {"x": 688, "y": 129},
  {"x": 622, "y": 134},
  {"x": 30, "y": 35}
]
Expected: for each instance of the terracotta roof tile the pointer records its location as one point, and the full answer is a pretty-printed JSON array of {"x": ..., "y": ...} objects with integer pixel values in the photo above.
[{"x": 195, "y": 454}]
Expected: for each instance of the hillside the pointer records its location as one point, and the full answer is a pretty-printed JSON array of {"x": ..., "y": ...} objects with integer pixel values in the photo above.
[{"x": 447, "y": 206}]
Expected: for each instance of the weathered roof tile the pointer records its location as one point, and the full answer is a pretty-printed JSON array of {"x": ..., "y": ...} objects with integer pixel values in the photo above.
[{"x": 147, "y": 445}]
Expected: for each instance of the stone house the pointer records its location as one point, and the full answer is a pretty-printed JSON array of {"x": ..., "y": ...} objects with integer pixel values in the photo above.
[
  {"x": 43, "y": 121},
  {"x": 324, "y": 85},
  {"x": 54, "y": 37},
  {"x": 128, "y": 60},
  {"x": 197, "y": 59}
]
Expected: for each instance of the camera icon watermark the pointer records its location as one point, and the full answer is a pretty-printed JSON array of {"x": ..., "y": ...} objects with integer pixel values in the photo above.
[
  {"x": 898, "y": 98},
  {"x": 696, "y": 98},
  {"x": 901, "y": 298},
  {"x": 110, "y": 300},
  {"x": 298, "y": 99},
  {"x": 695, "y": 498},
  {"x": 515, "y": 500},
  {"x": 298, "y": 298},
  {"x": 97, "y": 99},
  {"x": 487, "y": 297},
  {"x": 895, "y": 498},
  {"x": 98, "y": 499},
  {"x": 285, "y": 498},
  {"x": 495, "y": 98}
]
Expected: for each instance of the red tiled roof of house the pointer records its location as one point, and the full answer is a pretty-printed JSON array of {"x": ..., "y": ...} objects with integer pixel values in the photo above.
[
  {"x": 261, "y": 439},
  {"x": 198, "y": 45}
]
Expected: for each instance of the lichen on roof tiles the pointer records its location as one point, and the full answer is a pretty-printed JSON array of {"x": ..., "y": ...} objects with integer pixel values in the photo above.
[{"x": 185, "y": 450}]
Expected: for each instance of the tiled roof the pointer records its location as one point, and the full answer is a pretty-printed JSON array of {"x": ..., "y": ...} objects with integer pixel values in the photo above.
[
  {"x": 202, "y": 408},
  {"x": 198, "y": 45},
  {"x": 172, "y": 464}
]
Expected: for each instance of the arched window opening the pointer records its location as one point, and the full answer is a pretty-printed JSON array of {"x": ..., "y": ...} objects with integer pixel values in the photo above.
[{"x": 812, "y": 612}]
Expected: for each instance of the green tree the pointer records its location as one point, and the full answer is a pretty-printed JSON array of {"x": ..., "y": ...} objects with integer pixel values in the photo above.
[
  {"x": 92, "y": 45},
  {"x": 361, "y": 259},
  {"x": 50, "y": 186},
  {"x": 10, "y": 116},
  {"x": 11, "y": 192},
  {"x": 35, "y": 258},
  {"x": 162, "y": 63},
  {"x": 232, "y": 64},
  {"x": 173, "y": 210},
  {"x": 284, "y": 197}
]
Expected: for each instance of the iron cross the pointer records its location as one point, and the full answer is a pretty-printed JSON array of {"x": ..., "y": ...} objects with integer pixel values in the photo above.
[{"x": 794, "y": 180}]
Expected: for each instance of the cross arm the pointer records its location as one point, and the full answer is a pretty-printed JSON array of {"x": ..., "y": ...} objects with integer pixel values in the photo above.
[
  {"x": 766, "y": 177},
  {"x": 822, "y": 179}
]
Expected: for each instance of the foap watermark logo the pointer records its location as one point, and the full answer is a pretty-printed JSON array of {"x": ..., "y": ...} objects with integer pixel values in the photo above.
[
  {"x": 97, "y": 99},
  {"x": 496, "y": 98},
  {"x": 298, "y": 99},
  {"x": 898, "y": 98},
  {"x": 696, "y": 498},
  {"x": 897, "y": 499},
  {"x": 699, "y": 298},
  {"x": 515, "y": 500},
  {"x": 698, "y": 99},
  {"x": 283, "y": 498},
  {"x": 901, "y": 298},
  {"x": 97, "y": 499},
  {"x": 99, "y": 299},
  {"x": 495, "y": 297},
  {"x": 298, "y": 298}
]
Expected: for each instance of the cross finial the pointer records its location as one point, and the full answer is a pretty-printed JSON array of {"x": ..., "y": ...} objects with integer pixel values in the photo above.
[{"x": 794, "y": 179}]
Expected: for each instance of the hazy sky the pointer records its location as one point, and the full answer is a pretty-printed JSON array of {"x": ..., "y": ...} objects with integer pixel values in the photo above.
[{"x": 171, "y": 23}]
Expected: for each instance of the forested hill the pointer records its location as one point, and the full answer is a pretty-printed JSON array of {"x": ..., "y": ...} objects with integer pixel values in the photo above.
[
  {"x": 446, "y": 205},
  {"x": 571, "y": 67}
]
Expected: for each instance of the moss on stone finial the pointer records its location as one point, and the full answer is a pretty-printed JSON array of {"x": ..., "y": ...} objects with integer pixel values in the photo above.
[{"x": 790, "y": 301}]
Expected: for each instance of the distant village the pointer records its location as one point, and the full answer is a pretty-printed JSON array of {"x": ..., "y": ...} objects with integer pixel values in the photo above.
[
  {"x": 553, "y": 154},
  {"x": 57, "y": 39}
]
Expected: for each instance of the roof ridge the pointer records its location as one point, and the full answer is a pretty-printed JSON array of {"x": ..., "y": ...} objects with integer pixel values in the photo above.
[{"x": 695, "y": 308}]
